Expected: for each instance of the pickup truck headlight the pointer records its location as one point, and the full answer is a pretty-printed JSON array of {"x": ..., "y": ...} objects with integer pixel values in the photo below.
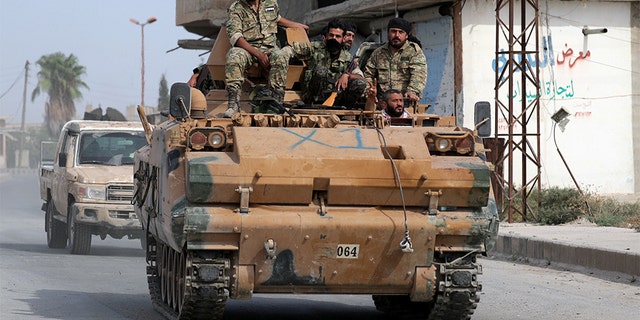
[{"x": 91, "y": 193}]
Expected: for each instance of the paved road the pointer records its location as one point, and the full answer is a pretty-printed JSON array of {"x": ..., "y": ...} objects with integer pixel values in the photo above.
[{"x": 41, "y": 283}]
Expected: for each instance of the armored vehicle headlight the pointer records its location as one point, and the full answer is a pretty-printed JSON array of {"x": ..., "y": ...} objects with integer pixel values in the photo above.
[
  {"x": 91, "y": 193},
  {"x": 207, "y": 138},
  {"x": 464, "y": 145},
  {"x": 462, "y": 142},
  {"x": 443, "y": 144},
  {"x": 217, "y": 139},
  {"x": 197, "y": 140}
]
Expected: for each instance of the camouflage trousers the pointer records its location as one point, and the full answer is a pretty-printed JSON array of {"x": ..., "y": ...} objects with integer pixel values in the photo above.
[
  {"x": 318, "y": 83},
  {"x": 321, "y": 84},
  {"x": 279, "y": 66},
  {"x": 238, "y": 62}
]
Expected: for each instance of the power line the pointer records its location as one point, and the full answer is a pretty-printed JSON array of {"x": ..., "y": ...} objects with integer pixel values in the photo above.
[{"x": 12, "y": 85}]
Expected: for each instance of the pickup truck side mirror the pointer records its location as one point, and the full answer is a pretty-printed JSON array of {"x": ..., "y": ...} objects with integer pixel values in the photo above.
[
  {"x": 482, "y": 118},
  {"x": 62, "y": 160}
]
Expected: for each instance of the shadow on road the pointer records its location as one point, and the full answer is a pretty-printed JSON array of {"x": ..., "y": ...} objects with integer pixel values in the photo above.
[
  {"x": 65, "y": 304},
  {"x": 308, "y": 307},
  {"x": 97, "y": 250}
]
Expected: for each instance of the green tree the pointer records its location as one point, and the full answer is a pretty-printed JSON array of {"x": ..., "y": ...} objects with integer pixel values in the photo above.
[
  {"x": 163, "y": 95},
  {"x": 59, "y": 77}
]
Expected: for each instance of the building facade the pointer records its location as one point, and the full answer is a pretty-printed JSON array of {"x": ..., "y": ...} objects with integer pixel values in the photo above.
[{"x": 595, "y": 76}]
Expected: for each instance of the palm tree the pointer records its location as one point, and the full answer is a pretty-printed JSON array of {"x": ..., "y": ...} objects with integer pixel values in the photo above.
[{"x": 59, "y": 76}]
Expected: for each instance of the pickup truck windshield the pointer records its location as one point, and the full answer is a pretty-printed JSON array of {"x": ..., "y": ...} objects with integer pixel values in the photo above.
[{"x": 109, "y": 148}]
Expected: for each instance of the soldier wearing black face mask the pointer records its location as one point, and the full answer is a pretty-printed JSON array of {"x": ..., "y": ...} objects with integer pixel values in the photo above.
[{"x": 329, "y": 69}]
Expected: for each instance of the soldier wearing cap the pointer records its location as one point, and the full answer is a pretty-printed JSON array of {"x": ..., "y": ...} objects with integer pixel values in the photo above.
[
  {"x": 252, "y": 26},
  {"x": 350, "y": 30},
  {"x": 400, "y": 64}
]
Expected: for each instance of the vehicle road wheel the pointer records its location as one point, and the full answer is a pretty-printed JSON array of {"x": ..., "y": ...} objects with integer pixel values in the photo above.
[
  {"x": 79, "y": 235},
  {"x": 56, "y": 233},
  {"x": 180, "y": 282},
  {"x": 163, "y": 270}
]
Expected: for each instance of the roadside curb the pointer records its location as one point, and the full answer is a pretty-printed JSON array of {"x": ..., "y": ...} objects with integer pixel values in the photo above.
[{"x": 550, "y": 252}]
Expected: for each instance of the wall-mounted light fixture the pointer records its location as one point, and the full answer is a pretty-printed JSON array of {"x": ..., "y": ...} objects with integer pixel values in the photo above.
[
  {"x": 587, "y": 31},
  {"x": 561, "y": 118}
]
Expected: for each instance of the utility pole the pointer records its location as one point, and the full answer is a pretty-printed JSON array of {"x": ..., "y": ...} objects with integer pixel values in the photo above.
[{"x": 24, "y": 109}]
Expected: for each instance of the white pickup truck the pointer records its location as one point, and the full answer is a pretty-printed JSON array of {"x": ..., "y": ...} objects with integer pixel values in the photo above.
[{"x": 88, "y": 187}]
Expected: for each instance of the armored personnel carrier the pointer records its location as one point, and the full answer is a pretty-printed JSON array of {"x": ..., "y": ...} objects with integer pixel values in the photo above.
[{"x": 312, "y": 199}]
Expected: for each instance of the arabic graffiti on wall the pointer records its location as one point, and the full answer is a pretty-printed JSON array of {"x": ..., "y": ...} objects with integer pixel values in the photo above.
[
  {"x": 568, "y": 53},
  {"x": 582, "y": 110},
  {"x": 503, "y": 126},
  {"x": 548, "y": 58},
  {"x": 549, "y": 90},
  {"x": 562, "y": 84}
]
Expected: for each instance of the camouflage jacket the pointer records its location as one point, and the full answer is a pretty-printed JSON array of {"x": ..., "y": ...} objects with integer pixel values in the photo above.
[
  {"x": 258, "y": 28},
  {"x": 405, "y": 70},
  {"x": 315, "y": 54}
]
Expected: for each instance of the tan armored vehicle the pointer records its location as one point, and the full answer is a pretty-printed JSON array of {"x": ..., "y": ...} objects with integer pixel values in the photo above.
[
  {"x": 312, "y": 199},
  {"x": 88, "y": 187}
]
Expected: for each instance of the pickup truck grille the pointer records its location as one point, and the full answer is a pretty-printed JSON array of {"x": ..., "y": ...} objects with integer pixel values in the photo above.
[{"x": 120, "y": 192}]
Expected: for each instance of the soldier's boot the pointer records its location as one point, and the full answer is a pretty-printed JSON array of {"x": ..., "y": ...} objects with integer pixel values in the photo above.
[{"x": 233, "y": 105}]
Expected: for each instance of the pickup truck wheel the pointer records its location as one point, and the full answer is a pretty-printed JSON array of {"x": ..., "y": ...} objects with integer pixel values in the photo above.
[
  {"x": 56, "y": 233},
  {"x": 143, "y": 242},
  {"x": 79, "y": 235}
]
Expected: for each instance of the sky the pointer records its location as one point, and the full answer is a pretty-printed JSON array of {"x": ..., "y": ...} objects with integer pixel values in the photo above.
[{"x": 104, "y": 41}]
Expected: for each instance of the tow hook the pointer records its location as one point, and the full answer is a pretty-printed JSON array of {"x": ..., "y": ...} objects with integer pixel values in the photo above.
[{"x": 271, "y": 247}]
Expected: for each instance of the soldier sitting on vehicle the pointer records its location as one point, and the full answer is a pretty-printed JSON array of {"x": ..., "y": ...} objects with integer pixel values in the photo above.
[
  {"x": 330, "y": 69},
  {"x": 201, "y": 79},
  {"x": 349, "y": 34},
  {"x": 252, "y": 26}
]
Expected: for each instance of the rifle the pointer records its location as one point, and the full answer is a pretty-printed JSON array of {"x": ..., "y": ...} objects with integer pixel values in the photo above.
[{"x": 334, "y": 93}]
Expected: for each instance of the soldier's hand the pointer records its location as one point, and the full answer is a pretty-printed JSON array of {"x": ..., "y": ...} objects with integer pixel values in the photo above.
[
  {"x": 342, "y": 82},
  {"x": 411, "y": 96},
  {"x": 373, "y": 87},
  {"x": 304, "y": 26},
  {"x": 263, "y": 60},
  {"x": 193, "y": 80},
  {"x": 372, "y": 100}
]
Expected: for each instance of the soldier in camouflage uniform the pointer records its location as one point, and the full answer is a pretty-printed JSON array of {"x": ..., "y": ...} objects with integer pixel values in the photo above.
[
  {"x": 201, "y": 79},
  {"x": 399, "y": 64},
  {"x": 329, "y": 68},
  {"x": 349, "y": 34},
  {"x": 252, "y": 26}
]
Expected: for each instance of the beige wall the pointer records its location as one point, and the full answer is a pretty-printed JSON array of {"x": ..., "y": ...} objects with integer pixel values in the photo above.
[{"x": 601, "y": 91}]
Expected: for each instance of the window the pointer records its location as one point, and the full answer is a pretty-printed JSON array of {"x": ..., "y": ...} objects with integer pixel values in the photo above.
[{"x": 109, "y": 148}]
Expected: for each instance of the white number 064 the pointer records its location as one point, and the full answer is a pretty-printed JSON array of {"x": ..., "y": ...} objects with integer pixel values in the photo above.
[{"x": 348, "y": 251}]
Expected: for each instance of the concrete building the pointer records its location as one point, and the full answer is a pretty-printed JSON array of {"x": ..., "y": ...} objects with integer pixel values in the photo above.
[{"x": 594, "y": 77}]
